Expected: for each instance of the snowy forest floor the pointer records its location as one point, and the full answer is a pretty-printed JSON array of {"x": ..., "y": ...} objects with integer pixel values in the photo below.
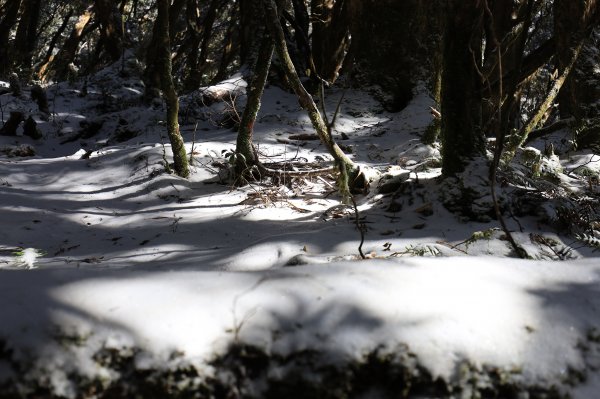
[{"x": 118, "y": 279}]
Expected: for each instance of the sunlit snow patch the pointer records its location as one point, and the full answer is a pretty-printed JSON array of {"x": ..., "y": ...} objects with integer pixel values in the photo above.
[{"x": 26, "y": 257}]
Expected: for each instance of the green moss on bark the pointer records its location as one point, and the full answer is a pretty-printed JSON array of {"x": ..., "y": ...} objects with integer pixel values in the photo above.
[
  {"x": 244, "y": 147},
  {"x": 164, "y": 59}
]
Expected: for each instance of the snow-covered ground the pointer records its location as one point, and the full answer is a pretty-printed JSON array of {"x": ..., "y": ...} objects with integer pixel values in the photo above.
[{"x": 106, "y": 257}]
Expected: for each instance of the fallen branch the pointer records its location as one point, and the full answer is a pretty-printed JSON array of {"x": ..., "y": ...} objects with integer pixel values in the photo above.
[{"x": 295, "y": 173}]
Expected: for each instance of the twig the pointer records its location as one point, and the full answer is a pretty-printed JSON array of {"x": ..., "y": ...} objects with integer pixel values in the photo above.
[
  {"x": 295, "y": 173},
  {"x": 360, "y": 227},
  {"x": 591, "y": 160},
  {"x": 193, "y": 144},
  {"x": 164, "y": 157},
  {"x": 500, "y": 135}
]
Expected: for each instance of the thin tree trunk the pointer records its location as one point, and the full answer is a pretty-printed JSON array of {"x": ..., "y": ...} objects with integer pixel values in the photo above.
[
  {"x": 230, "y": 45},
  {"x": 26, "y": 36},
  {"x": 250, "y": 29},
  {"x": 174, "y": 12},
  {"x": 496, "y": 38},
  {"x": 168, "y": 87},
  {"x": 189, "y": 49},
  {"x": 11, "y": 10},
  {"x": 462, "y": 137},
  {"x": 246, "y": 157},
  {"x": 573, "y": 22},
  {"x": 301, "y": 25},
  {"x": 200, "y": 34},
  {"x": 331, "y": 38},
  {"x": 350, "y": 177},
  {"x": 207, "y": 34},
  {"x": 541, "y": 114},
  {"x": 58, "y": 66},
  {"x": 111, "y": 27},
  {"x": 43, "y": 65}
]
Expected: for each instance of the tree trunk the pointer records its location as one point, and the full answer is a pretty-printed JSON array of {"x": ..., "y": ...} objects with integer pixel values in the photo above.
[
  {"x": 246, "y": 157},
  {"x": 58, "y": 66},
  {"x": 165, "y": 70},
  {"x": 8, "y": 21},
  {"x": 111, "y": 24},
  {"x": 190, "y": 49},
  {"x": 230, "y": 44},
  {"x": 500, "y": 33},
  {"x": 330, "y": 37},
  {"x": 541, "y": 113},
  {"x": 301, "y": 24},
  {"x": 249, "y": 29},
  {"x": 396, "y": 44},
  {"x": 10, "y": 126},
  {"x": 26, "y": 37},
  {"x": 207, "y": 35},
  {"x": 461, "y": 134},
  {"x": 43, "y": 65},
  {"x": 174, "y": 13},
  {"x": 350, "y": 177}
]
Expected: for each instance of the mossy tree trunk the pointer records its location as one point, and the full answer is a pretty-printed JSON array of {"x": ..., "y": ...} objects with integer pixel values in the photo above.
[
  {"x": 541, "y": 113},
  {"x": 461, "y": 134},
  {"x": 246, "y": 157},
  {"x": 350, "y": 177},
  {"x": 168, "y": 87}
]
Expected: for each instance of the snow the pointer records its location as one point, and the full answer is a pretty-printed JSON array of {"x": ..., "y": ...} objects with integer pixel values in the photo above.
[
  {"x": 508, "y": 313},
  {"x": 108, "y": 251}
]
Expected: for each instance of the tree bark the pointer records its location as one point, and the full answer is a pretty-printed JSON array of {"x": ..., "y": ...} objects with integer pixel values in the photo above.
[
  {"x": 350, "y": 177},
  {"x": 541, "y": 114},
  {"x": 246, "y": 157},
  {"x": 249, "y": 30},
  {"x": 58, "y": 66},
  {"x": 573, "y": 22},
  {"x": 10, "y": 126},
  {"x": 174, "y": 13},
  {"x": 111, "y": 25},
  {"x": 301, "y": 24},
  {"x": 330, "y": 37},
  {"x": 168, "y": 87},
  {"x": 503, "y": 52},
  {"x": 26, "y": 36},
  {"x": 396, "y": 44},
  {"x": 199, "y": 63},
  {"x": 43, "y": 65},
  {"x": 11, "y": 10},
  {"x": 230, "y": 45},
  {"x": 461, "y": 134}
]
